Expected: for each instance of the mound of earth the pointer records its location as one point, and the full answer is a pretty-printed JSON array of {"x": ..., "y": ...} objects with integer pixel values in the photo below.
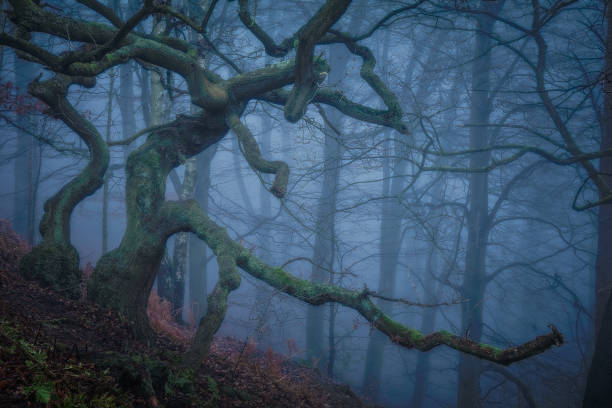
[{"x": 57, "y": 352}]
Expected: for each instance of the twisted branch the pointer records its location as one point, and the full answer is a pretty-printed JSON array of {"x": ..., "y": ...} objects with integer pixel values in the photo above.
[
  {"x": 316, "y": 294},
  {"x": 251, "y": 152}
]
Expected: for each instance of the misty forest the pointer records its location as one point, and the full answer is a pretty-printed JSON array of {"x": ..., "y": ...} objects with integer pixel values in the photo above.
[{"x": 313, "y": 203}]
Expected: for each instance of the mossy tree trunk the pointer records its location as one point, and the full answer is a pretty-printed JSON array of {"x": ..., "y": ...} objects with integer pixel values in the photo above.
[
  {"x": 123, "y": 277},
  {"x": 55, "y": 262}
]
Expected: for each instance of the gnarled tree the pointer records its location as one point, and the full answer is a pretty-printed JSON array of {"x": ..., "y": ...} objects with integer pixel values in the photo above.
[{"x": 124, "y": 276}]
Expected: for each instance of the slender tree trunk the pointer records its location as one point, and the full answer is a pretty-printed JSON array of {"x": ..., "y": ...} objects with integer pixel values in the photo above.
[
  {"x": 105, "y": 191},
  {"x": 428, "y": 321},
  {"x": 473, "y": 285},
  {"x": 126, "y": 102},
  {"x": 428, "y": 324},
  {"x": 326, "y": 208},
  {"x": 597, "y": 392},
  {"x": 263, "y": 293},
  {"x": 389, "y": 248},
  {"x": 165, "y": 276},
  {"x": 198, "y": 251},
  {"x": 322, "y": 260}
]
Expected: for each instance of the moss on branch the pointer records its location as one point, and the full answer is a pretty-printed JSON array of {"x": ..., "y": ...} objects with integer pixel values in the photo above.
[
  {"x": 316, "y": 294},
  {"x": 252, "y": 154},
  {"x": 306, "y": 81}
]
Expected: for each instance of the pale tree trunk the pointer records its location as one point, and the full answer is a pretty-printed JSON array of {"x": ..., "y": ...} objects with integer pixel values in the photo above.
[
  {"x": 473, "y": 285},
  {"x": 181, "y": 257},
  {"x": 165, "y": 280},
  {"x": 326, "y": 208},
  {"x": 105, "y": 190},
  {"x": 263, "y": 293},
  {"x": 126, "y": 89},
  {"x": 198, "y": 251},
  {"x": 323, "y": 246},
  {"x": 390, "y": 234}
]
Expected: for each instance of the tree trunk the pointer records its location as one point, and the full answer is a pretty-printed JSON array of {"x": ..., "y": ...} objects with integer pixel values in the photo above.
[
  {"x": 428, "y": 324},
  {"x": 390, "y": 245},
  {"x": 55, "y": 262},
  {"x": 473, "y": 285},
  {"x": 123, "y": 277},
  {"x": 263, "y": 293},
  {"x": 322, "y": 256},
  {"x": 603, "y": 264},
  {"x": 105, "y": 191},
  {"x": 198, "y": 252},
  {"x": 597, "y": 393},
  {"x": 428, "y": 321}
]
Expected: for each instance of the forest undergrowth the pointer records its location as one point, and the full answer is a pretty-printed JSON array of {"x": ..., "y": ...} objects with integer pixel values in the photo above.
[{"x": 58, "y": 352}]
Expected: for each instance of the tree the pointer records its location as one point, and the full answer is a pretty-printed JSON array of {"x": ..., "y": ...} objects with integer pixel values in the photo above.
[{"x": 124, "y": 276}]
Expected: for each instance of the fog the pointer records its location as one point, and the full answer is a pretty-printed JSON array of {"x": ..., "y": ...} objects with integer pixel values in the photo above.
[{"x": 478, "y": 220}]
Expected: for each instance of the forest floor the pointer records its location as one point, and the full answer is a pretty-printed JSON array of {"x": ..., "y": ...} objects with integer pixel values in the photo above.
[{"x": 51, "y": 348}]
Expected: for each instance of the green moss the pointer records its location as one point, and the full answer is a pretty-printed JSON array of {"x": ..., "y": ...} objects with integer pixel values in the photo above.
[
  {"x": 392, "y": 326},
  {"x": 494, "y": 351},
  {"x": 213, "y": 388},
  {"x": 179, "y": 380},
  {"x": 445, "y": 336},
  {"x": 55, "y": 266}
]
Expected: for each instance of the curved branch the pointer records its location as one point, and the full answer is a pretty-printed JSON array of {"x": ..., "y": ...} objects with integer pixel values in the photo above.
[
  {"x": 252, "y": 154},
  {"x": 202, "y": 83},
  {"x": 272, "y": 49},
  {"x": 339, "y": 101},
  {"x": 55, "y": 225},
  {"x": 316, "y": 294},
  {"x": 306, "y": 83}
]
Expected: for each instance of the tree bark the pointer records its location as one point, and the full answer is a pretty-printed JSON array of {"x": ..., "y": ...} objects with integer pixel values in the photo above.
[
  {"x": 597, "y": 392},
  {"x": 198, "y": 252},
  {"x": 55, "y": 262},
  {"x": 123, "y": 277}
]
